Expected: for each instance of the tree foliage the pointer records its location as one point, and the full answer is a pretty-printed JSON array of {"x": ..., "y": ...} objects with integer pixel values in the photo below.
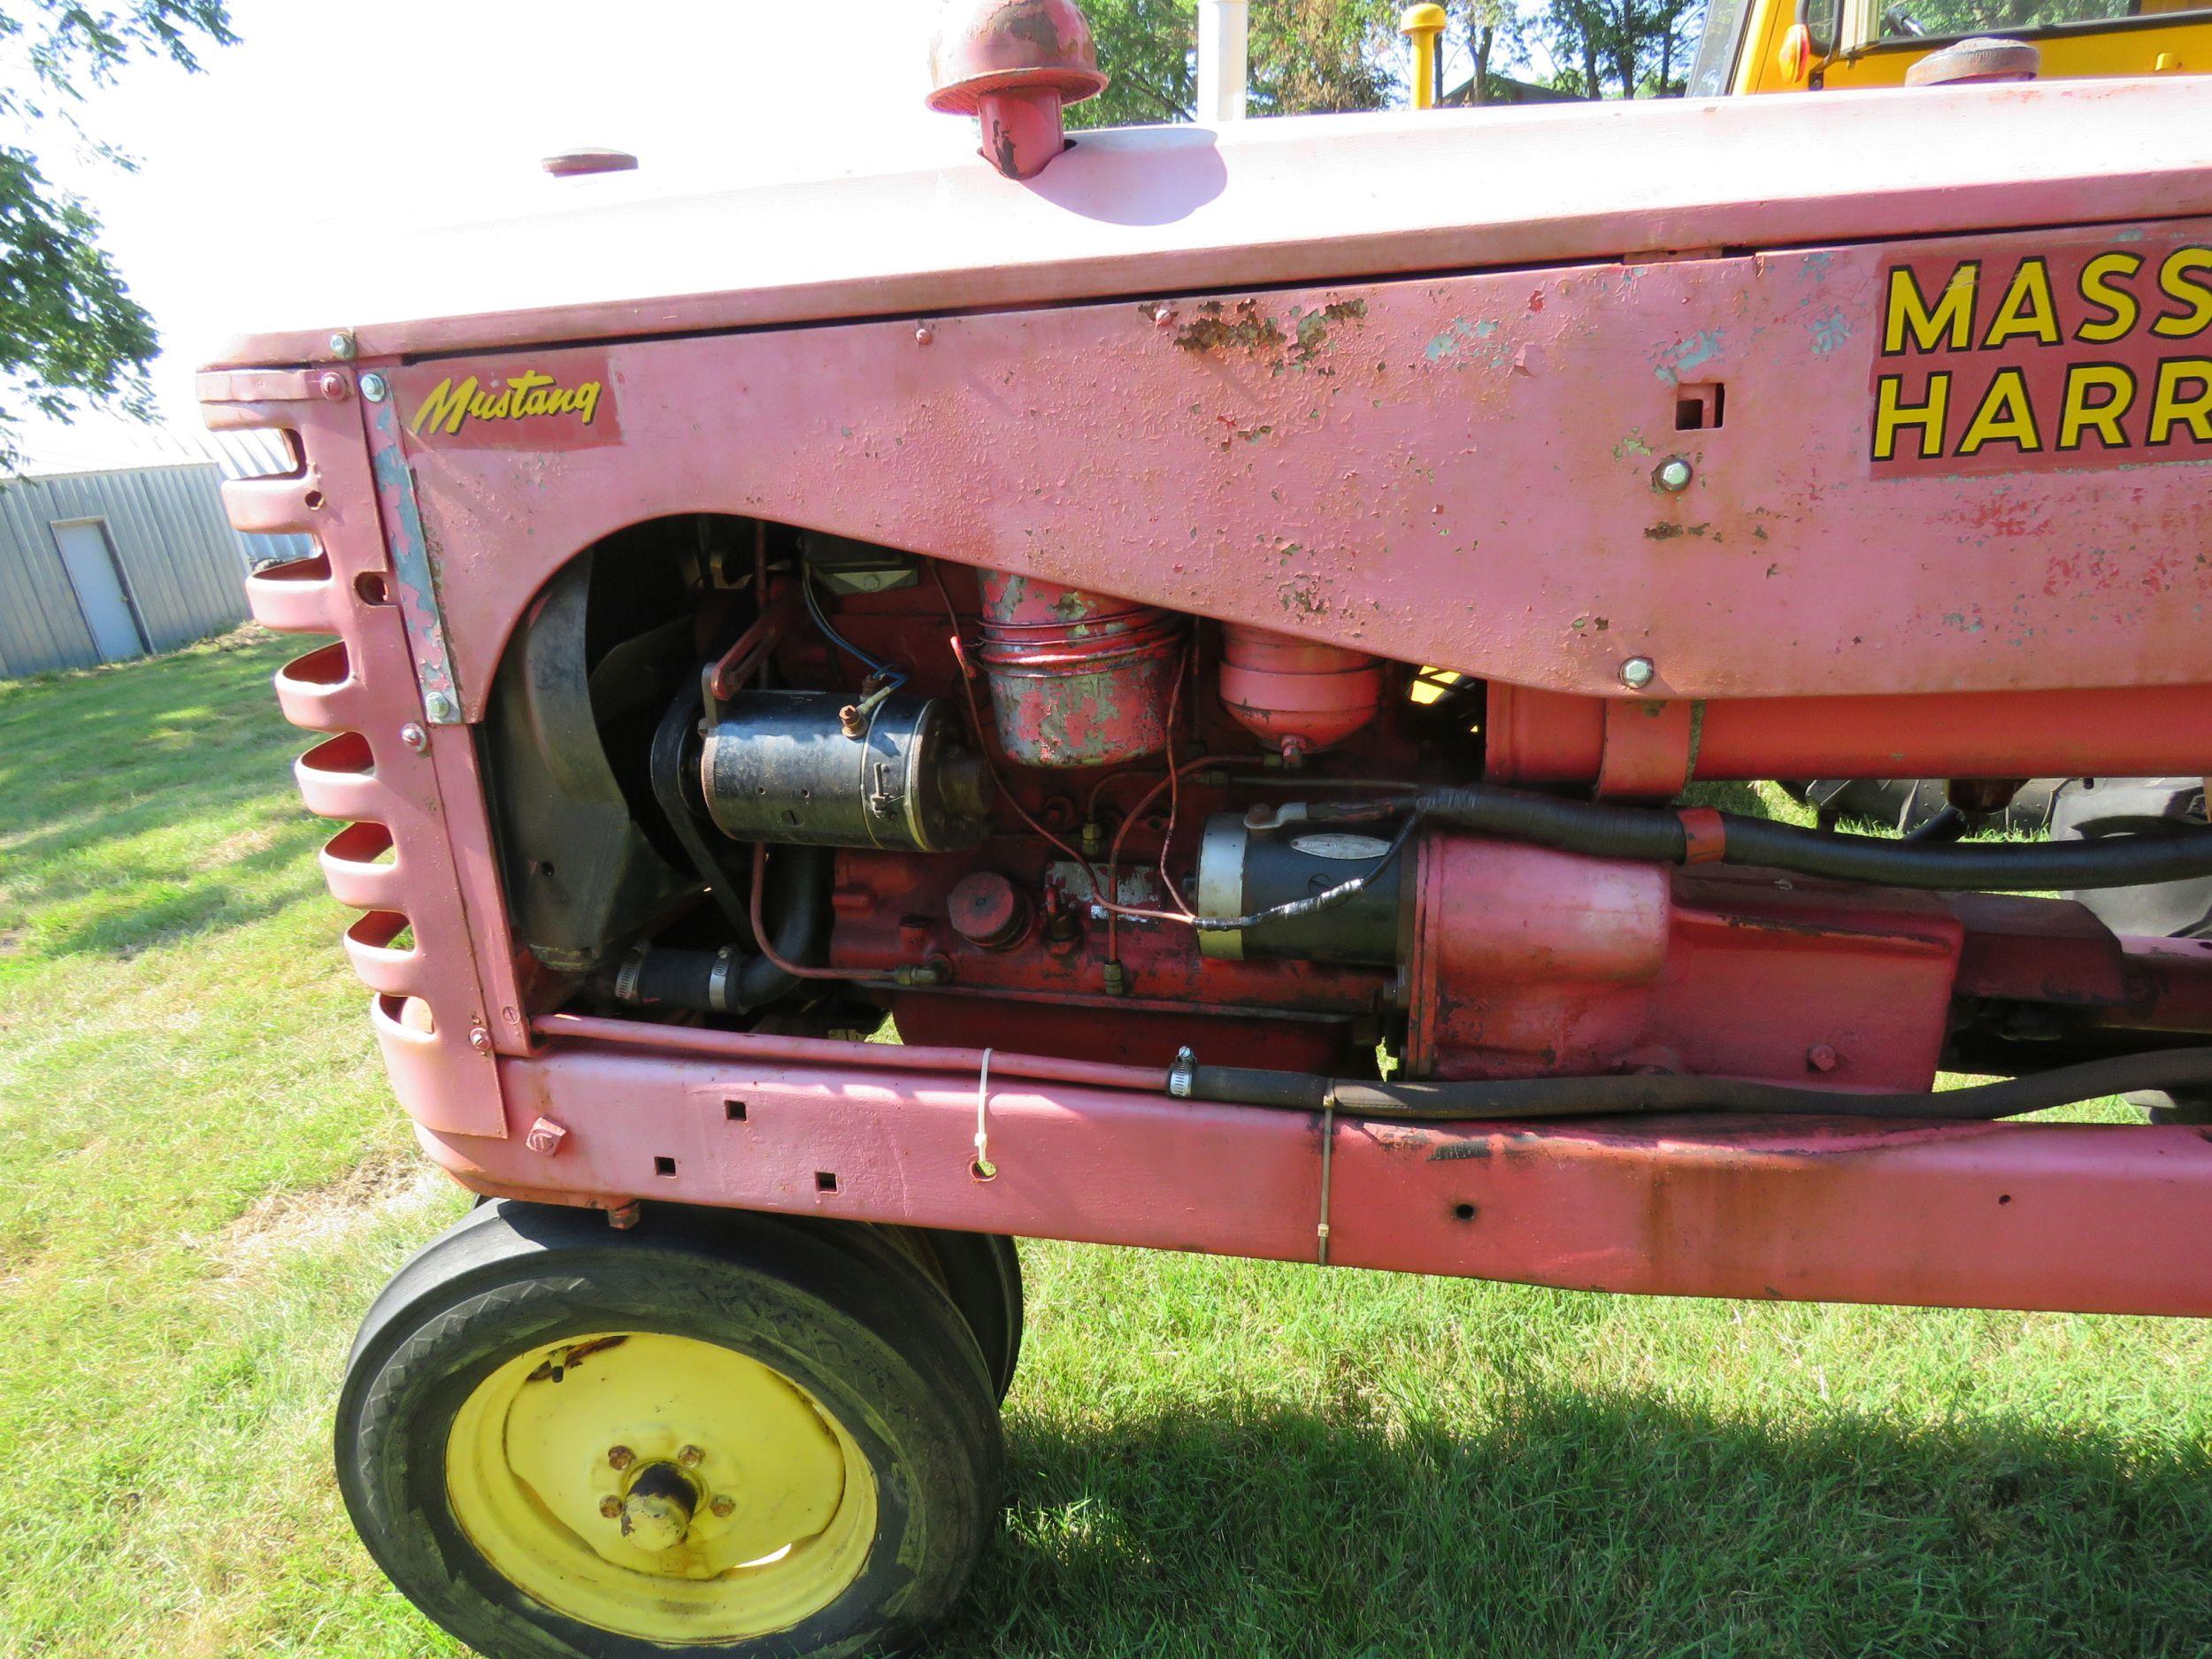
[
  {"x": 1621, "y": 49},
  {"x": 69, "y": 329},
  {"x": 1306, "y": 57}
]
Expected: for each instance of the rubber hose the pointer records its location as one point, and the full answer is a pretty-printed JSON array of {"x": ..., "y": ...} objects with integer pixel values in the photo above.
[
  {"x": 1657, "y": 836},
  {"x": 1608, "y": 1096}
]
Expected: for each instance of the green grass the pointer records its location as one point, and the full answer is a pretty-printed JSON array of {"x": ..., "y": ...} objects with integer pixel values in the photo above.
[{"x": 203, "y": 1181}]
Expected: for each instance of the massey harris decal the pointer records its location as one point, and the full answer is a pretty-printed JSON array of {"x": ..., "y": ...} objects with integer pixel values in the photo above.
[
  {"x": 2085, "y": 356},
  {"x": 564, "y": 401}
]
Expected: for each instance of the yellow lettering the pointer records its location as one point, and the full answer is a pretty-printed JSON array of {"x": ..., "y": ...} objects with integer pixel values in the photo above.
[
  {"x": 2026, "y": 308},
  {"x": 451, "y": 405},
  {"x": 2004, "y": 416},
  {"x": 447, "y": 406},
  {"x": 2079, "y": 415},
  {"x": 1949, "y": 324},
  {"x": 2179, "y": 279},
  {"x": 2170, "y": 409},
  {"x": 1893, "y": 416},
  {"x": 2099, "y": 280}
]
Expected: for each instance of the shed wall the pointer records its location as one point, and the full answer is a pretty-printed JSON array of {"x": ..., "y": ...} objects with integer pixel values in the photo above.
[{"x": 182, "y": 564}]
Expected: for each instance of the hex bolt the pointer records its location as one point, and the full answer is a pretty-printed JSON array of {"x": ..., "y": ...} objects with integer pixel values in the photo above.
[
  {"x": 1821, "y": 1057},
  {"x": 724, "y": 1508},
  {"x": 691, "y": 1457},
  {"x": 375, "y": 388},
  {"x": 411, "y": 736},
  {"x": 620, "y": 1458},
  {"x": 1672, "y": 475},
  {"x": 1115, "y": 981},
  {"x": 610, "y": 1507},
  {"x": 439, "y": 706},
  {"x": 335, "y": 387},
  {"x": 1638, "y": 672},
  {"x": 341, "y": 346}
]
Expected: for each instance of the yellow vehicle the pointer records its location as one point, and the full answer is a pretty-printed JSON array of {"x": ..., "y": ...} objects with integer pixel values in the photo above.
[{"x": 1810, "y": 45}]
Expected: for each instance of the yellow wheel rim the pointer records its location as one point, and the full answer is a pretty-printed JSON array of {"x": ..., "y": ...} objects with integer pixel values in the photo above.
[{"x": 660, "y": 1487}]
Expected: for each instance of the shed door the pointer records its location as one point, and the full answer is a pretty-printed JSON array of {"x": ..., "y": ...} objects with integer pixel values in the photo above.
[{"x": 90, "y": 563}]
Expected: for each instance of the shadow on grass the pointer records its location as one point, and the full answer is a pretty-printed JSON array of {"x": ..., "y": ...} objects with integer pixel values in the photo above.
[{"x": 1572, "y": 1525}]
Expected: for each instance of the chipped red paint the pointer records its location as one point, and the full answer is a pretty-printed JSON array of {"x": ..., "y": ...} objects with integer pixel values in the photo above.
[{"x": 1077, "y": 679}]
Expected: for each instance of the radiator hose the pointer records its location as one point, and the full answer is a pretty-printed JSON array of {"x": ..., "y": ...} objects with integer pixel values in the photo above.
[
  {"x": 1608, "y": 1096},
  {"x": 1661, "y": 835}
]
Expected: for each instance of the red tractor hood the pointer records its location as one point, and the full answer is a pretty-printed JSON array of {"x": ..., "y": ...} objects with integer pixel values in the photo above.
[{"x": 1156, "y": 211}]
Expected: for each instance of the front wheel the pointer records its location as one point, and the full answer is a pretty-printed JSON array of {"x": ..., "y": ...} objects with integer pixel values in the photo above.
[{"x": 729, "y": 1434}]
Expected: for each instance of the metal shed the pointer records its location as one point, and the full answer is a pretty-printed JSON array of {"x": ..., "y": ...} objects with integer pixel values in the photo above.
[{"x": 116, "y": 545}]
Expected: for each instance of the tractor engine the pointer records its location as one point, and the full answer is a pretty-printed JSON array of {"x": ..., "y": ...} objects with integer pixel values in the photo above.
[{"x": 754, "y": 777}]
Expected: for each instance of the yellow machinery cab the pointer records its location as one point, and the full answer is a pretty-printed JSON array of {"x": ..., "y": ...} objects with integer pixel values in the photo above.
[{"x": 1811, "y": 45}]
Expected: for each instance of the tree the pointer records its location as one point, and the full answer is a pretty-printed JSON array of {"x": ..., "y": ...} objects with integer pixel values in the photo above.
[
  {"x": 70, "y": 332},
  {"x": 1621, "y": 49},
  {"x": 1307, "y": 56}
]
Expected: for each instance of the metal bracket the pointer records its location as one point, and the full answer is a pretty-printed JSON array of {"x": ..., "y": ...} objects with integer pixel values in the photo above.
[{"x": 414, "y": 572}]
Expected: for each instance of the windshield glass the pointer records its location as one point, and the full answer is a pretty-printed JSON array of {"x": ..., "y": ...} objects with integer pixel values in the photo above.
[
  {"x": 1913, "y": 20},
  {"x": 1715, "y": 64}
]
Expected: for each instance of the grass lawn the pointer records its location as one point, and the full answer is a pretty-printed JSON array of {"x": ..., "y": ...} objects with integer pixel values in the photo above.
[{"x": 203, "y": 1181}]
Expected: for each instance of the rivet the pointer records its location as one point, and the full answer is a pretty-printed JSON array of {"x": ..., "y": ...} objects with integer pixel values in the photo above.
[
  {"x": 1638, "y": 672},
  {"x": 374, "y": 388},
  {"x": 480, "y": 1039},
  {"x": 341, "y": 346},
  {"x": 413, "y": 736},
  {"x": 1821, "y": 1057},
  {"x": 924, "y": 333},
  {"x": 1672, "y": 475},
  {"x": 1164, "y": 316}
]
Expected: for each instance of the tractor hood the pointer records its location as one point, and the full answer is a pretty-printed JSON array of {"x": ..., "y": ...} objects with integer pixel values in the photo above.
[{"x": 1156, "y": 211}]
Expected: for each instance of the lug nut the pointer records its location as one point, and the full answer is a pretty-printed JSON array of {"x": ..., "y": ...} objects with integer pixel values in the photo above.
[
  {"x": 620, "y": 1457},
  {"x": 724, "y": 1508},
  {"x": 691, "y": 1457},
  {"x": 610, "y": 1507}
]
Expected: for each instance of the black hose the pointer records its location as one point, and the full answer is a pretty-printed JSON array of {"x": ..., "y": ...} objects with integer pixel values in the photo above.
[
  {"x": 1658, "y": 836},
  {"x": 665, "y": 765},
  {"x": 1607, "y": 1097},
  {"x": 1949, "y": 826},
  {"x": 733, "y": 981}
]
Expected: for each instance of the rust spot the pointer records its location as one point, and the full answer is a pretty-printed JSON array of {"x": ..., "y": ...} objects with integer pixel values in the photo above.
[
  {"x": 1668, "y": 532},
  {"x": 1246, "y": 328}
]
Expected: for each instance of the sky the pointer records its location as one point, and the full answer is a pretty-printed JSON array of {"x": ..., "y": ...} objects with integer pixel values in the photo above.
[{"x": 329, "y": 112}]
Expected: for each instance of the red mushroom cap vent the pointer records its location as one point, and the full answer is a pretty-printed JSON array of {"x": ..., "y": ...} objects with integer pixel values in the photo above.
[{"x": 1014, "y": 64}]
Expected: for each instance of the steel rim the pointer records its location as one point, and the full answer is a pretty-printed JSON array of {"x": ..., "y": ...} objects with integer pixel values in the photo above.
[{"x": 661, "y": 1487}]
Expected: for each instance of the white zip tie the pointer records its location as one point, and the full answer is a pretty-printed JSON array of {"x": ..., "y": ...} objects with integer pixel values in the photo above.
[{"x": 982, "y": 1168}]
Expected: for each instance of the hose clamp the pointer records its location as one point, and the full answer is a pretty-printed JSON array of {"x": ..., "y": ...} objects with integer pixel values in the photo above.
[
  {"x": 1182, "y": 1076},
  {"x": 625, "y": 977}
]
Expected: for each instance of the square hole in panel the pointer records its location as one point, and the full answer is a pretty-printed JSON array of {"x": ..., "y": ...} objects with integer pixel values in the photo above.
[
  {"x": 735, "y": 1111},
  {"x": 1700, "y": 408},
  {"x": 663, "y": 1166},
  {"x": 826, "y": 1180}
]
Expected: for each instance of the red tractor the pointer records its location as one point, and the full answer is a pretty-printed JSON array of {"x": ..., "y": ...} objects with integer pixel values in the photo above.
[{"x": 1208, "y": 634}]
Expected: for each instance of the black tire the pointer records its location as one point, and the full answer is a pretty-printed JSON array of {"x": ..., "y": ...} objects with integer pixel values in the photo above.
[
  {"x": 840, "y": 1311},
  {"x": 2089, "y": 807},
  {"x": 983, "y": 1274}
]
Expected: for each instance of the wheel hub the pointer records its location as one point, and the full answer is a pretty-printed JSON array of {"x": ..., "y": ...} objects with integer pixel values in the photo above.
[{"x": 660, "y": 1486}]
